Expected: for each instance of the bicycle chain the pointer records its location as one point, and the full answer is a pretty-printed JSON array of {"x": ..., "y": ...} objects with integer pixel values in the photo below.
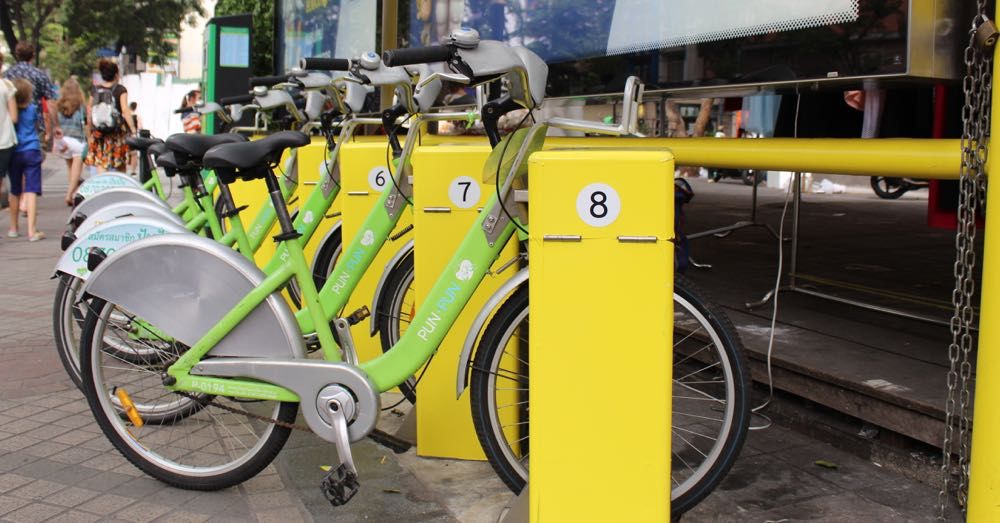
[
  {"x": 976, "y": 86},
  {"x": 234, "y": 410}
]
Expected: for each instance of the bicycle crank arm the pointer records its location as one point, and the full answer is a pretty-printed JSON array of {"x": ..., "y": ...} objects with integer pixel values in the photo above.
[{"x": 315, "y": 382}]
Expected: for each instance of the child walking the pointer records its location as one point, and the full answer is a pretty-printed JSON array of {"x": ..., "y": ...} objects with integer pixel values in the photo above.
[{"x": 26, "y": 162}]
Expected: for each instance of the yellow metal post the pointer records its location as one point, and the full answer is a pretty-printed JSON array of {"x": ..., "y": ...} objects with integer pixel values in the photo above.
[
  {"x": 601, "y": 329},
  {"x": 447, "y": 202},
  {"x": 363, "y": 177},
  {"x": 984, "y": 468}
]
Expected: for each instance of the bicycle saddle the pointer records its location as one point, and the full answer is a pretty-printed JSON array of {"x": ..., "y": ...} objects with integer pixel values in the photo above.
[
  {"x": 157, "y": 148},
  {"x": 250, "y": 155},
  {"x": 191, "y": 147},
  {"x": 168, "y": 161},
  {"x": 141, "y": 143}
]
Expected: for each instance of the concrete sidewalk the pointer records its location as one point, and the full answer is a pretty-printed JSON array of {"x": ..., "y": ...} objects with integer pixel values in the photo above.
[{"x": 55, "y": 465}]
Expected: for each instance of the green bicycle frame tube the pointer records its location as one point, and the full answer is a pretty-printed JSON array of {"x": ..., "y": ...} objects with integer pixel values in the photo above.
[{"x": 435, "y": 317}]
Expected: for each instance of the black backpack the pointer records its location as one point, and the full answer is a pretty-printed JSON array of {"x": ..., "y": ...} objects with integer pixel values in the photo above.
[{"x": 104, "y": 114}]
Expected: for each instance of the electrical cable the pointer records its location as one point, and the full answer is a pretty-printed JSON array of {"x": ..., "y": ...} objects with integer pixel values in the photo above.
[
  {"x": 415, "y": 383},
  {"x": 388, "y": 162},
  {"x": 777, "y": 285},
  {"x": 496, "y": 186}
]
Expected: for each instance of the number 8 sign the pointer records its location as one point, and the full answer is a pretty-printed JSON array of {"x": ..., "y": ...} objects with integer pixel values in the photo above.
[{"x": 598, "y": 205}]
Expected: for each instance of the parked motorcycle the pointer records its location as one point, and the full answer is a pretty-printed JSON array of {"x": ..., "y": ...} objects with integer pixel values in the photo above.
[{"x": 893, "y": 188}]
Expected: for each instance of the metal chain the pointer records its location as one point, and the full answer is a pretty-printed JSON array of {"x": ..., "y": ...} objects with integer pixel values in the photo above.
[
  {"x": 976, "y": 86},
  {"x": 234, "y": 410}
]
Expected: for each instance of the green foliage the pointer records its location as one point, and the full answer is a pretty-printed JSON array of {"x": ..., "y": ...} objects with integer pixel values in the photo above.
[
  {"x": 263, "y": 30},
  {"x": 140, "y": 26}
]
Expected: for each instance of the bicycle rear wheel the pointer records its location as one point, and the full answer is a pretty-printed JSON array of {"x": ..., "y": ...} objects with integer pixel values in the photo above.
[
  {"x": 194, "y": 442},
  {"x": 67, "y": 321},
  {"x": 711, "y": 395}
]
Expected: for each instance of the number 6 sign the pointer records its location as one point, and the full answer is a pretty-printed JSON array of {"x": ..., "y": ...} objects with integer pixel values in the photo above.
[{"x": 598, "y": 205}]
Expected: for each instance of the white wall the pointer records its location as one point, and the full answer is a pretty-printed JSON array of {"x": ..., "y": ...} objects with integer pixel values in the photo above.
[
  {"x": 190, "y": 50},
  {"x": 157, "y": 102}
]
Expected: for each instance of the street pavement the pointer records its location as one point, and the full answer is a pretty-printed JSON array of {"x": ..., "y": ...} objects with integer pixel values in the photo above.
[{"x": 56, "y": 466}]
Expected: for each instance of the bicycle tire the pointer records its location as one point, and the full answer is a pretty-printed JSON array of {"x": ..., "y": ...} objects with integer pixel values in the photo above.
[
  {"x": 327, "y": 256},
  {"x": 719, "y": 458},
  {"x": 67, "y": 322},
  {"x": 160, "y": 456},
  {"x": 391, "y": 314},
  {"x": 890, "y": 191}
]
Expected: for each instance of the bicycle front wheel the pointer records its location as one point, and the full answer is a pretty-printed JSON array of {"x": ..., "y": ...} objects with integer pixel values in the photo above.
[
  {"x": 711, "y": 395},
  {"x": 193, "y": 442}
]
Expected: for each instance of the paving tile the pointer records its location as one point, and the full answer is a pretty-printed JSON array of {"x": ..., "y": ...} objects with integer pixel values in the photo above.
[
  {"x": 183, "y": 516},
  {"x": 16, "y": 443},
  {"x": 72, "y": 497},
  {"x": 142, "y": 512},
  {"x": 45, "y": 449},
  {"x": 75, "y": 437},
  {"x": 75, "y": 455},
  {"x": 106, "y": 504},
  {"x": 37, "y": 490},
  {"x": 140, "y": 488},
  {"x": 105, "y": 481},
  {"x": 42, "y": 469},
  {"x": 269, "y": 500},
  {"x": 10, "y": 504},
  {"x": 10, "y": 482},
  {"x": 74, "y": 516},
  {"x": 282, "y": 515},
  {"x": 262, "y": 483},
  {"x": 33, "y": 513}
]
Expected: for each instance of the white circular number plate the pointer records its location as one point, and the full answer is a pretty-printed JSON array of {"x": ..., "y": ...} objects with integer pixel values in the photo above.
[
  {"x": 464, "y": 192},
  {"x": 378, "y": 178},
  {"x": 598, "y": 205}
]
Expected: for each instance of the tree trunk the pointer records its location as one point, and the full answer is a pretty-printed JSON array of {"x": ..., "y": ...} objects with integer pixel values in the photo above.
[
  {"x": 704, "y": 115},
  {"x": 7, "y": 26},
  {"x": 675, "y": 124}
]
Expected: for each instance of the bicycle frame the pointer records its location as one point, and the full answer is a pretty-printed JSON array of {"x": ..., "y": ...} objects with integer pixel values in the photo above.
[{"x": 445, "y": 301}]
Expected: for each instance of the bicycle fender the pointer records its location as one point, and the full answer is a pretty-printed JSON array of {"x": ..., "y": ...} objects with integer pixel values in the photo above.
[
  {"x": 105, "y": 181},
  {"x": 380, "y": 287},
  {"x": 126, "y": 209},
  {"x": 334, "y": 228},
  {"x": 184, "y": 284},
  {"x": 120, "y": 194},
  {"x": 491, "y": 305},
  {"x": 110, "y": 237}
]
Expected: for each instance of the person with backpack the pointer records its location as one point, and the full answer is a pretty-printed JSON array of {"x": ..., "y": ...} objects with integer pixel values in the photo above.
[{"x": 110, "y": 121}]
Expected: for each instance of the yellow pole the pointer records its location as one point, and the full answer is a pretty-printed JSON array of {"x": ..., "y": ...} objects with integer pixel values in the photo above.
[{"x": 984, "y": 480}]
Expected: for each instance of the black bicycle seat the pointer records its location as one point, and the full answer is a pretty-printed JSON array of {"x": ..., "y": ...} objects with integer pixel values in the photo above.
[
  {"x": 168, "y": 161},
  {"x": 191, "y": 147},
  {"x": 258, "y": 153},
  {"x": 141, "y": 143},
  {"x": 157, "y": 148}
]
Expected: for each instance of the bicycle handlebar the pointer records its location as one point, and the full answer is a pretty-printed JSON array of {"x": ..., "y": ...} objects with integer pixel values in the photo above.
[
  {"x": 240, "y": 99},
  {"x": 325, "y": 64},
  {"x": 417, "y": 55},
  {"x": 267, "y": 81}
]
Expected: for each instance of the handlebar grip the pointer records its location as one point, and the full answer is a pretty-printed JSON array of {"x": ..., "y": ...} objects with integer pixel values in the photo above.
[
  {"x": 241, "y": 99},
  {"x": 267, "y": 81},
  {"x": 325, "y": 64},
  {"x": 417, "y": 55}
]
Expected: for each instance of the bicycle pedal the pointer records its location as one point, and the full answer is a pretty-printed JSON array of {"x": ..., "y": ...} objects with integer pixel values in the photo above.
[
  {"x": 340, "y": 485},
  {"x": 358, "y": 315}
]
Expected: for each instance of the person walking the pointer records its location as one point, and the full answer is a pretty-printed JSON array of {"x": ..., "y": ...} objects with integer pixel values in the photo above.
[
  {"x": 110, "y": 120},
  {"x": 42, "y": 87},
  {"x": 26, "y": 163},
  {"x": 189, "y": 116},
  {"x": 69, "y": 130},
  {"x": 8, "y": 138}
]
